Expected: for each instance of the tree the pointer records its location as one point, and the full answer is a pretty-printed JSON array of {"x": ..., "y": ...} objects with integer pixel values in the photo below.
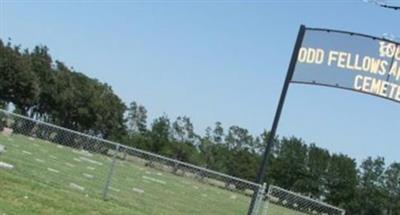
[
  {"x": 86, "y": 105},
  {"x": 18, "y": 84},
  {"x": 214, "y": 152},
  {"x": 392, "y": 188},
  {"x": 218, "y": 133},
  {"x": 317, "y": 165},
  {"x": 182, "y": 130},
  {"x": 41, "y": 63},
  {"x": 65, "y": 111},
  {"x": 136, "y": 127},
  {"x": 372, "y": 195},
  {"x": 160, "y": 134},
  {"x": 205, "y": 147},
  {"x": 259, "y": 149},
  {"x": 3, "y": 105},
  {"x": 289, "y": 169},
  {"x": 137, "y": 119},
  {"x": 108, "y": 110},
  {"x": 238, "y": 138},
  {"x": 183, "y": 141},
  {"x": 341, "y": 182}
]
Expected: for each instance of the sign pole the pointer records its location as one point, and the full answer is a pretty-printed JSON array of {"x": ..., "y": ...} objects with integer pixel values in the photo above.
[{"x": 271, "y": 136}]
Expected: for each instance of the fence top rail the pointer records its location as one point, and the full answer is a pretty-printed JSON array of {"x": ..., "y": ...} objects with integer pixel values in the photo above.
[
  {"x": 272, "y": 187},
  {"x": 119, "y": 145},
  {"x": 193, "y": 166}
]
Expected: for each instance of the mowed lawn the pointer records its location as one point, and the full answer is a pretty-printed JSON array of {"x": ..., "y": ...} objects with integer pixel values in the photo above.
[{"x": 54, "y": 179}]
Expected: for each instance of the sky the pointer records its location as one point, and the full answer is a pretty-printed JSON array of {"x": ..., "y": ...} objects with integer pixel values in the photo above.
[{"x": 216, "y": 61}]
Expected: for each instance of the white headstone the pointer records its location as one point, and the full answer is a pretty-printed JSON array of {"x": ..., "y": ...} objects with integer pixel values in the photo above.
[
  {"x": 6, "y": 166},
  {"x": 76, "y": 187},
  {"x": 39, "y": 160},
  {"x": 82, "y": 152},
  {"x": 26, "y": 152},
  {"x": 138, "y": 190},
  {"x": 70, "y": 165},
  {"x": 2, "y": 149},
  {"x": 53, "y": 170},
  {"x": 89, "y": 176},
  {"x": 154, "y": 180},
  {"x": 90, "y": 161}
]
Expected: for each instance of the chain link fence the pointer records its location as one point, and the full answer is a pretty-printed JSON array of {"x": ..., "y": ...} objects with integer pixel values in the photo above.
[
  {"x": 137, "y": 181},
  {"x": 281, "y": 201},
  {"x": 148, "y": 183}
]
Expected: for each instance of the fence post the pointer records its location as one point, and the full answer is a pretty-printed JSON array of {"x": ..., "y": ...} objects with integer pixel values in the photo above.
[
  {"x": 125, "y": 154},
  {"x": 266, "y": 207},
  {"x": 259, "y": 200},
  {"x": 110, "y": 173}
]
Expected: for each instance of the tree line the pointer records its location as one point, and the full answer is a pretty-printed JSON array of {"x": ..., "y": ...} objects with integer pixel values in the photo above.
[{"x": 48, "y": 90}]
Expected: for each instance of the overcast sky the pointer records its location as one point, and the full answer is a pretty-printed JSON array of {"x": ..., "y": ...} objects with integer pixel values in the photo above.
[{"x": 216, "y": 61}]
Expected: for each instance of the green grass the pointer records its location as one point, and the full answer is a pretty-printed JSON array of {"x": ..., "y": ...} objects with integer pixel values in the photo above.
[
  {"x": 41, "y": 183},
  {"x": 277, "y": 210}
]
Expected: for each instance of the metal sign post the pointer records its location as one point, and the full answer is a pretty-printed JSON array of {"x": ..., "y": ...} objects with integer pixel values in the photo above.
[{"x": 263, "y": 167}]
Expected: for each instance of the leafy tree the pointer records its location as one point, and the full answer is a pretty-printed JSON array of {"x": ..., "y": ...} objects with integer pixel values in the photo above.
[
  {"x": 242, "y": 163},
  {"x": 317, "y": 163},
  {"x": 289, "y": 169},
  {"x": 183, "y": 130},
  {"x": 66, "y": 102},
  {"x": 182, "y": 144},
  {"x": 372, "y": 195},
  {"x": 160, "y": 134},
  {"x": 241, "y": 159},
  {"x": 214, "y": 152},
  {"x": 392, "y": 188},
  {"x": 137, "y": 119},
  {"x": 218, "y": 133},
  {"x": 205, "y": 147},
  {"x": 341, "y": 182},
  {"x": 238, "y": 138},
  {"x": 86, "y": 105},
  {"x": 259, "y": 149},
  {"x": 108, "y": 110},
  {"x": 41, "y": 64},
  {"x": 18, "y": 84},
  {"x": 3, "y": 104}
]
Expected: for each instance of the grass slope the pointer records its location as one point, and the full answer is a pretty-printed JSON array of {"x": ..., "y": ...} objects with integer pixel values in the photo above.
[{"x": 49, "y": 179}]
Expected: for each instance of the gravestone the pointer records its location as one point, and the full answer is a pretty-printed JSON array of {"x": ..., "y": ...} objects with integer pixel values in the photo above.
[
  {"x": 6, "y": 166},
  {"x": 2, "y": 149},
  {"x": 2, "y": 164}
]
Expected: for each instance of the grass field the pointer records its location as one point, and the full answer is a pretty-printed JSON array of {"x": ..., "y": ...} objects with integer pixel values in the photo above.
[{"x": 52, "y": 179}]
